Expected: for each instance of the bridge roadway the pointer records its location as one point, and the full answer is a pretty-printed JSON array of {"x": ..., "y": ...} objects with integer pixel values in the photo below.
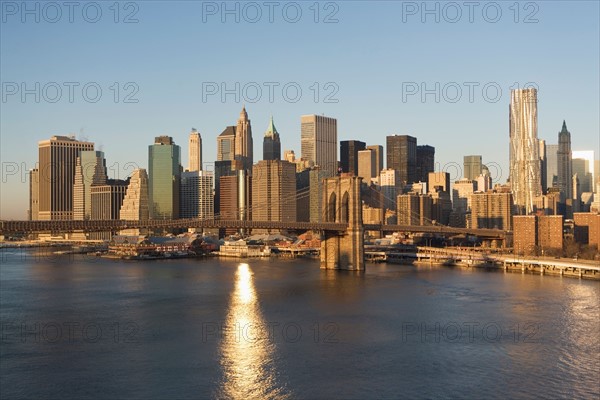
[{"x": 12, "y": 227}]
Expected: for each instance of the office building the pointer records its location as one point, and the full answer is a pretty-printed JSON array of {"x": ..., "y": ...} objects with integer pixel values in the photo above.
[
  {"x": 271, "y": 143},
  {"x": 235, "y": 198},
  {"x": 401, "y": 154},
  {"x": 438, "y": 179},
  {"x": 390, "y": 186},
  {"x": 349, "y": 155},
  {"x": 57, "y": 161},
  {"x": 378, "y": 151},
  {"x": 551, "y": 165},
  {"x": 196, "y": 198},
  {"x": 226, "y": 144},
  {"x": 90, "y": 170},
  {"x": 414, "y": 209},
  {"x": 274, "y": 191},
  {"x": 472, "y": 166},
  {"x": 524, "y": 165},
  {"x": 195, "y": 151},
  {"x": 107, "y": 199},
  {"x": 243, "y": 141},
  {"x": 543, "y": 164},
  {"x": 164, "y": 174},
  {"x": 106, "y": 202},
  {"x": 367, "y": 166},
  {"x": 319, "y": 142},
  {"x": 461, "y": 194},
  {"x": 484, "y": 182},
  {"x": 564, "y": 163},
  {"x": 135, "y": 206},
  {"x": 425, "y": 162},
  {"x": 549, "y": 203},
  {"x": 441, "y": 206},
  {"x": 462, "y": 191},
  {"x": 583, "y": 166},
  {"x": 302, "y": 195}
]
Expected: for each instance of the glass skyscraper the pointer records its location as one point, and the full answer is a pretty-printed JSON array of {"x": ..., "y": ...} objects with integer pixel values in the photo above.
[{"x": 164, "y": 167}]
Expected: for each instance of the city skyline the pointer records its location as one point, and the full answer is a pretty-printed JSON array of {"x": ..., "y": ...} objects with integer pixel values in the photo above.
[
  {"x": 170, "y": 102},
  {"x": 209, "y": 165},
  {"x": 379, "y": 189}
]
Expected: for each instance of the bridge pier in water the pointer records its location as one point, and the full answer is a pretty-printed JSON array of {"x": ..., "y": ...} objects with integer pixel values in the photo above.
[{"x": 342, "y": 203}]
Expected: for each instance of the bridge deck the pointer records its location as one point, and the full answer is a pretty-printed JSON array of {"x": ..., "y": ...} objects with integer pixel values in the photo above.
[{"x": 11, "y": 227}]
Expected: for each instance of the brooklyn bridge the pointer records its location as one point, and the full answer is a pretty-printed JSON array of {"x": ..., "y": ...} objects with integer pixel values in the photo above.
[{"x": 342, "y": 229}]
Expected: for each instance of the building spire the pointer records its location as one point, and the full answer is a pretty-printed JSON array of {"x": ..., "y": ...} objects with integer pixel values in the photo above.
[{"x": 271, "y": 130}]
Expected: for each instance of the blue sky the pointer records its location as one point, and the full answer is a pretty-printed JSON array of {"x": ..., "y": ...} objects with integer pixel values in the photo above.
[{"x": 371, "y": 57}]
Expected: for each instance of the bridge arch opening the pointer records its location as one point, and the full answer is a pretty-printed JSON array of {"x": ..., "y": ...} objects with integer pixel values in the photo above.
[
  {"x": 331, "y": 208},
  {"x": 345, "y": 208}
]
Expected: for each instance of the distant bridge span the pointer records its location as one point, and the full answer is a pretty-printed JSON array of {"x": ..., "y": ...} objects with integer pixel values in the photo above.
[{"x": 12, "y": 227}]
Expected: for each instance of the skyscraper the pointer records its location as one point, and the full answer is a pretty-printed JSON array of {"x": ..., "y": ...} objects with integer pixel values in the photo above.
[
  {"x": 543, "y": 165},
  {"x": 462, "y": 190},
  {"x": 551, "y": 165},
  {"x": 135, "y": 205},
  {"x": 195, "y": 151},
  {"x": 391, "y": 187},
  {"x": 271, "y": 143},
  {"x": 564, "y": 163},
  {"x": 226, "y": 144},
  {"x": 57, "y": 161},
  {"x": 235, "y": 197},
  {"x": 401, "y": 154},
  {"x": 274, "y": 191},
  {"x": 243, "y": 141},
  {"x": 585, "y": 168},
  {"x": 90, "y": 170},
  {"x": 472, "y": 167},
  {"x": 425, "y": 162},
  {"x": 349, "y": 155},
  {"x": 367, "y": 166},
  {"x": 107, "y": 199},
  {"x": 196, "y": 199},
  {"x": 106, "y": 203},
  {"x": 319, "y": 142},
  {"x": 414, "y": 209},
  {"x": 164, "y": 163},
  {"x": 438, "y": 179},
  {"x": 378, "y": 150},
  {"x": 525, "y": 175}
]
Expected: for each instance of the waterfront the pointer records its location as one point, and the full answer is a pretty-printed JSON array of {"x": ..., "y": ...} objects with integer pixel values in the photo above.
[{"x": 75, "y": 326}]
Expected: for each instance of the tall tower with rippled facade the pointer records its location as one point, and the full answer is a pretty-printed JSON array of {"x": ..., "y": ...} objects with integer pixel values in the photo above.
[{"x": 525, "y": 168}]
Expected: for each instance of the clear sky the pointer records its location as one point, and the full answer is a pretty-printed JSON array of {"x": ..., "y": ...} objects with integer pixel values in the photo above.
[{"x": 373, "y": 58}]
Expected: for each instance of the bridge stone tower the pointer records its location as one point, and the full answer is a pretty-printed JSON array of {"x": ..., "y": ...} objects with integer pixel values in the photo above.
[{"x": 342, "y": 203}]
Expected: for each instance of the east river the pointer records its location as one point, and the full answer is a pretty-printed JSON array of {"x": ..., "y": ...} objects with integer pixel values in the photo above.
[{"x": 77, "y": 327}]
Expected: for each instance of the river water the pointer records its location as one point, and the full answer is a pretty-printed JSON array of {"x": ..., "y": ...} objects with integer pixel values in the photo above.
[{"x": 81, "y": 327}]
